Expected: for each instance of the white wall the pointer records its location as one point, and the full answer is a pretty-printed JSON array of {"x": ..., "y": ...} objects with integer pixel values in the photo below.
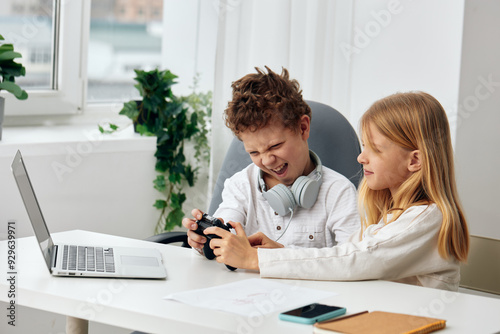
[
  {"x": 405, "y": 45},
  {"x": 478, "y": 121}
]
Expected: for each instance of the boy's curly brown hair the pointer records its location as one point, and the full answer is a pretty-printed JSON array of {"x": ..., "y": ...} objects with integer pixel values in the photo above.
[{"x": 260, "y": 98}]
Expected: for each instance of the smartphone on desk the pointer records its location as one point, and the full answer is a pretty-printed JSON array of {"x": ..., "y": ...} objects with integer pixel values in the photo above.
[{"x": 312, "y": 313}]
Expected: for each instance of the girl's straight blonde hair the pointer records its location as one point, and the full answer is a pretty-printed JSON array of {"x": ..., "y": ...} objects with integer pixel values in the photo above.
[{"x": 417, "y": 121}]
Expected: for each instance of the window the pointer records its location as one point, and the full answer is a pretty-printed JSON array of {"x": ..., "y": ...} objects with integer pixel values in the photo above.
[
  {"x": 53, "y": 79},
  {"x": 80, "y": 54},
  {"x": 28, "y": 24},
  {"x": 124, "y": 35}
]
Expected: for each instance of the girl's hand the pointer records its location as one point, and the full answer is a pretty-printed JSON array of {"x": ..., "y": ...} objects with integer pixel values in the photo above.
[
  {"x": 233, "y": 250},
  {"x": 260, "y": 240}
]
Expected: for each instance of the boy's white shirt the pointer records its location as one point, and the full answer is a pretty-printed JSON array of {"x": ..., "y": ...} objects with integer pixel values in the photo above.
[
  {"x": 331, "y": 220},
  {"x": 403, "y": 251}
]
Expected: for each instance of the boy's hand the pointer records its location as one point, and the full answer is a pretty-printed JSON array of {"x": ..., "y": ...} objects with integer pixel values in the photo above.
[
  {"x": 194, "y": 240},
  {"x": 233, "y": 249},
  {"x": 260, "y": 240}
]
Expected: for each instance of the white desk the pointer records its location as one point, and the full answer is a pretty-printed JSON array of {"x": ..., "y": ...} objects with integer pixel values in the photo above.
[{"x": 139, "y": 304}]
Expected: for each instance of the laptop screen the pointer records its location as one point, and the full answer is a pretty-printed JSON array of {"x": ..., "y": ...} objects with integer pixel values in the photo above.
[{"x": 31, "y": 204}]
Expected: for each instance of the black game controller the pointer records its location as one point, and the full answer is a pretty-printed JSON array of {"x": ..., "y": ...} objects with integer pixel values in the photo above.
[{"x": 205, "y": 222}]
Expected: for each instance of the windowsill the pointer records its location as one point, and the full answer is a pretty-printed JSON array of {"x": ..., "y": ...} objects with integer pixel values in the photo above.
[{"x": 68, "y": 139}]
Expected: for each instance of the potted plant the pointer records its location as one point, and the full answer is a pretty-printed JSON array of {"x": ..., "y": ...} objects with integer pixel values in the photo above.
[
  {"x": 9, "y": 69},
  {"x": 174, "y": 121}
]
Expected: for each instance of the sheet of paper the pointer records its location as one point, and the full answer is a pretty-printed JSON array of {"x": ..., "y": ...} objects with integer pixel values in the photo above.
[{"x": 251, "y": 295}]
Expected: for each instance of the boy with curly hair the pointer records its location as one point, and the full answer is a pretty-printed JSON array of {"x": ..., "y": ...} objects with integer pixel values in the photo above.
[{"x": 285, "y": 187}]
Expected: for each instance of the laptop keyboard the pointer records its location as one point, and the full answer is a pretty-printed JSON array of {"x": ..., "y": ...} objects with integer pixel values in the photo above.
[{"x": 84, "y": 258}]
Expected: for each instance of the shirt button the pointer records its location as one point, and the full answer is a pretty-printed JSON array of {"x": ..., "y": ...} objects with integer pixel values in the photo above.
[
  {"x": 311, "y": 237},
  {"x": 278, "y": 228}
]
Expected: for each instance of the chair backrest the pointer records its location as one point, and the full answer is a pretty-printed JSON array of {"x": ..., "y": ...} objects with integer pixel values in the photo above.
[{"x": 332, "y": 137}]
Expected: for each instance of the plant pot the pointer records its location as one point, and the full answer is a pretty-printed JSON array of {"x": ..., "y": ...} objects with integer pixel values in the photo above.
[{"x": 2, "y": 104}]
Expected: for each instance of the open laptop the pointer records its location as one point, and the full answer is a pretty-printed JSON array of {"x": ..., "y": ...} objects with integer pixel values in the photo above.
[{"x": 80, "y": 260}]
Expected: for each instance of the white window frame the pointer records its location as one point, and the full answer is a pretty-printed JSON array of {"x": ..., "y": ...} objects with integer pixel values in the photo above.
[
  {"x": 68, "y": 97},
  {"x": 68, "y": 104}
]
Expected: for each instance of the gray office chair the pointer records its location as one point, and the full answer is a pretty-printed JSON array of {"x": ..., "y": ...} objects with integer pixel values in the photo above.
[{"x": 332, "y": 137}]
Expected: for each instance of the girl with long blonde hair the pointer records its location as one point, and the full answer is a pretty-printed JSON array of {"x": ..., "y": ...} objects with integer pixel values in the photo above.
[
  {"x": 413, "y": 229},
  {"x": 416, "y": 122}
]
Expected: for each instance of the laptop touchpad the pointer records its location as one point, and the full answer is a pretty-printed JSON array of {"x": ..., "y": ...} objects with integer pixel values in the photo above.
[{"x": 139, "y": 261}]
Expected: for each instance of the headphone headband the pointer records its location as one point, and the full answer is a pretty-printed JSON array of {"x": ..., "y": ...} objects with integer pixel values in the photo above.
[{"x": 303, "y": 192}]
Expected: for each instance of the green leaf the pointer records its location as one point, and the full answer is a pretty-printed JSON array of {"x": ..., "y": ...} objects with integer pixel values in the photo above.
[
  {"x": 175, "y": 109},
  {"x": 143, "y": 130},
  {"x": 11, "y": 69},
  {"x": 6, "y": 47},
  {"x": 161, "y": 166},
  {"x": 160, "y": 204},
  {"x": 190, "y": 175},
  {"x": 174, "y": 178},
  {"x": 160, "y": 183},
  {"x": 9, "y": 55},
  {"x": 112, "y": 128},
  {"x": 177, "y": 200},
  {"x": 173, "y": 219},
  {"x": 194, "y": 118},
  {"x": 169, "y": 76},
  {"x": 130, "y": 110},
  {"x": 163, "y": 136},
  {"x": 23, "y": 96},
  {"x": 17, "y": 91}
]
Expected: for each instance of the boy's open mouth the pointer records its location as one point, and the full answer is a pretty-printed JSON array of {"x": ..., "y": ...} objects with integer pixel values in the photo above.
[{"x": 281, "y": 169}]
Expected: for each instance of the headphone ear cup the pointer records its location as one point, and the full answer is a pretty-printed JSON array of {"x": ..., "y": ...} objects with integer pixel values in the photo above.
[
  {"x": 305, "y": 191},
  {"x": 281, "y": 199},
  {"x": 297, "y": 188}
]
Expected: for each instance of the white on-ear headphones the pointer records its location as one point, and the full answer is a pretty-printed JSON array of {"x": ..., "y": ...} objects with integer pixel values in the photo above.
[{"x": 303, "y": 192}]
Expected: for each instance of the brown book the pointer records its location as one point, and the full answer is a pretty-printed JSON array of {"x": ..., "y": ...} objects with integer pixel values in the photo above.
[{"x": 380, "y": 322}]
